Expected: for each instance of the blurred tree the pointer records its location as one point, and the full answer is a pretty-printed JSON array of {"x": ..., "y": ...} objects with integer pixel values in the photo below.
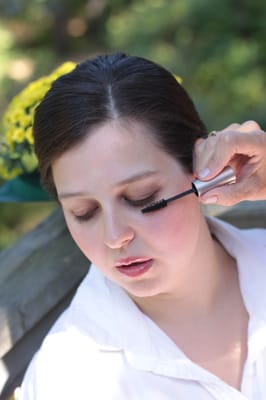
[{"x": 217, "y": 47}]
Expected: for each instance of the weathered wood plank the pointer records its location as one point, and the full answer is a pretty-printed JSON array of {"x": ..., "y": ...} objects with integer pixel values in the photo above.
[
  {"x": 246, "y": 214},
  {"x": 38, "y": 277},
  {"x": 34, "y": 276}
]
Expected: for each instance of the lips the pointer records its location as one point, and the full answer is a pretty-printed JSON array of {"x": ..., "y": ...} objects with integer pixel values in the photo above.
[
  {"x": 133, "y": 266},
  {"x": 130, "y": 260}
]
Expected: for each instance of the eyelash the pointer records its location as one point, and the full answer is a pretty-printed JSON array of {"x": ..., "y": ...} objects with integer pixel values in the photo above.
[
  {"x": 85, "y": 217},
  {"x": 135, "y": 203},
  {"x": 142, "y": 202}
]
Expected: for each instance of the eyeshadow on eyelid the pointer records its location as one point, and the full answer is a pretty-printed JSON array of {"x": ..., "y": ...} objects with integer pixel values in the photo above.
[
  {"x": 141, "y": 187},
  {"x": 142, "y": 193},
  {"x": 80, "y": 212}
]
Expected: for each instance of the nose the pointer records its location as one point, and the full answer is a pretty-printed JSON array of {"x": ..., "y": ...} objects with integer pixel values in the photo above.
[{"x": 117, "y": 231}]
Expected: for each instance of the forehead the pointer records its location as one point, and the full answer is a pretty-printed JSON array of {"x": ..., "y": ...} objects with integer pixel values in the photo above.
[
  {"x": 113, "y": 151},
  {"x": 120, "y": 135}
]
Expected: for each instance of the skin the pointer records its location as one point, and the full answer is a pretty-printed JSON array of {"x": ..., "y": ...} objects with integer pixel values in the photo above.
[
  {"x": 243, "y": 146},
  {"x": 191, "y": 273}
]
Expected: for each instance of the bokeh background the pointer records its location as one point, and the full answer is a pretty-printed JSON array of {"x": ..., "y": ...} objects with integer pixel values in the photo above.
[{"x": 218, "y": 47}]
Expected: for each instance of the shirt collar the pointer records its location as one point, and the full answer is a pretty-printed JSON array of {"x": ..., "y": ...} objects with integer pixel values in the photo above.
[{"x": 248, "y": 247}]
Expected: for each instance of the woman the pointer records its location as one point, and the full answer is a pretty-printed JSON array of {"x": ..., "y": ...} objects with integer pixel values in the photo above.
[{"x": 168, "y": 309}]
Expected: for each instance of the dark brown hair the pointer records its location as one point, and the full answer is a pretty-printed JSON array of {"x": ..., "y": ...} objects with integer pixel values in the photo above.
[{"x": 112, "y": 87}]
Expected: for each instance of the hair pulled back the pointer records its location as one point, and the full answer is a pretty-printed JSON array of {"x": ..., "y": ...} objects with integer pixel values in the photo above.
[{"x": 109, "y": 87}]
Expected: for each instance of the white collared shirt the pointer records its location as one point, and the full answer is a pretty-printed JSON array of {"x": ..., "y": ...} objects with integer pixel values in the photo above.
[{"x": 104, "y": 348}]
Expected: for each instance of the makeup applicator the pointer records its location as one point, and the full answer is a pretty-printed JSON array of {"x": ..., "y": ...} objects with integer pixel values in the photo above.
[{"x": 226, "y": 177}]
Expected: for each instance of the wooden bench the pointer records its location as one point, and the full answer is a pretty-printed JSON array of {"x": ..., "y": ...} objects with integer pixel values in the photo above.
[{"x": 39, "y": 276}]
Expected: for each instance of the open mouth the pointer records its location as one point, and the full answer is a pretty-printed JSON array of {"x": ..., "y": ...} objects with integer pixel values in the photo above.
[{"x": 135, "y": 268}]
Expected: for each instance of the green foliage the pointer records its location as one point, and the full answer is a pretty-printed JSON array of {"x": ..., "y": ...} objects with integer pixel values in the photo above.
[
  {"x": 218, "y": 47},
  {"x": 18, "y": 218}
]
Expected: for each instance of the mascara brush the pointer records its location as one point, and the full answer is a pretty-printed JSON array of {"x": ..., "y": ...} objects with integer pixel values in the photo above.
[{"x": 226, "y": 177}]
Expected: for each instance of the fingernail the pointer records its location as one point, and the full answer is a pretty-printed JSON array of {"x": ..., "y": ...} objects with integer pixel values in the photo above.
[
  {"x": 204, "y": 173},
  {"x": 210, "y": 200}
]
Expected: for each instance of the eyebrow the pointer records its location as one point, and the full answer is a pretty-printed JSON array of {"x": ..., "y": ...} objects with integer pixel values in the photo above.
[{"x": 134, "y": 178}]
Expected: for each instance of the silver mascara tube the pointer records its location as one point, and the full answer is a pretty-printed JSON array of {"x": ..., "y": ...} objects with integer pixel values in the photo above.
[{"x": 226, "y": 177}]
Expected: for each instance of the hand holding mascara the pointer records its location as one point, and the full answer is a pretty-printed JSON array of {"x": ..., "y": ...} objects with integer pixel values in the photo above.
[
  {"x": 245, "y": 146},
  {"x": 226, "y": 177}
]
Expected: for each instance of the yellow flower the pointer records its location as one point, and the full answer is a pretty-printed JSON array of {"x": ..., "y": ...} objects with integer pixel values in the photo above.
[
  {"x": 9, "y": 138},
  {"x": 18, "y": 135},
  {"x": 178, "y": 79},
  {"x": 29, "y": 135},
  {"x": 17, "y": 150},
  {"x": 6, "y": 174},
  {"x": 26, "y": 120}
]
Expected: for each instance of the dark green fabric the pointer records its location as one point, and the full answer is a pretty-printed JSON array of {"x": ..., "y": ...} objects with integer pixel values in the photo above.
[{"x": 24, "y": 188}]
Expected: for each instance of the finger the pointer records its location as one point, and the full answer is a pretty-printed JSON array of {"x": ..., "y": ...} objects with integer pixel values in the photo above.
[
  {"x": 224, "y": 149},
  {"x": 203, "y": 153},
  {"x": 232, "y": 127},
  {"x": 229, "y": 195},
  {"x": 246, "y": 126},
  {"x": 249, "y": 126}
]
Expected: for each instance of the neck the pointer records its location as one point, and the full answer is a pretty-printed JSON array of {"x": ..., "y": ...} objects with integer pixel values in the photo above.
[{"x": 204, "y": 288}]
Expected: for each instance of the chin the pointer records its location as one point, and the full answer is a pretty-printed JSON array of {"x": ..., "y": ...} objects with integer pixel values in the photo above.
[{"x": 143, "y": 290}]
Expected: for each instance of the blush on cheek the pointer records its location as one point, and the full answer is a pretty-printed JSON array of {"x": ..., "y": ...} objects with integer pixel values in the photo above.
[
  {"x": 176, "y": 223},
  {"x": 167, "y": 218}
]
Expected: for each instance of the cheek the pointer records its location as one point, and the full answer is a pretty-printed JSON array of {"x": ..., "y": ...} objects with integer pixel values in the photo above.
[
  {"x": 175, "y": 226},
  {"x": 87, "y": 242}
]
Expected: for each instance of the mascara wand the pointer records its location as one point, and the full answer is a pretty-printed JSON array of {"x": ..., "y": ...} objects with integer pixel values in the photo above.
[{"x": 226, "y": 177}]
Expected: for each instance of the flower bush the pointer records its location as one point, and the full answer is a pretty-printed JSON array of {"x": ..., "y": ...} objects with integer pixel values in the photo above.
[{"x": 16, "y": 146}]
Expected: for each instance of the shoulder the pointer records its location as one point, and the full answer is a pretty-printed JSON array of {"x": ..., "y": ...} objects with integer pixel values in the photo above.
[
  {"x": 228, "y": 233},
  {"x": 79, "y": 351},
  {"x": 258, "y": 235},
  {"x": 67, "y": 365}
]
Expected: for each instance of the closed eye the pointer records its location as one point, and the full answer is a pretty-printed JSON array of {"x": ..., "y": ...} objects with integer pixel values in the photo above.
[
  {"x": 142, "y": 202},
  {"x": 135, "y": 203},
  {"x": 86, "y": 216}
]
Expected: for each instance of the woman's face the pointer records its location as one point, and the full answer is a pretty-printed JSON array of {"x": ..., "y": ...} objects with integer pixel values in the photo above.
[{"x": 102, "y": 185}]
